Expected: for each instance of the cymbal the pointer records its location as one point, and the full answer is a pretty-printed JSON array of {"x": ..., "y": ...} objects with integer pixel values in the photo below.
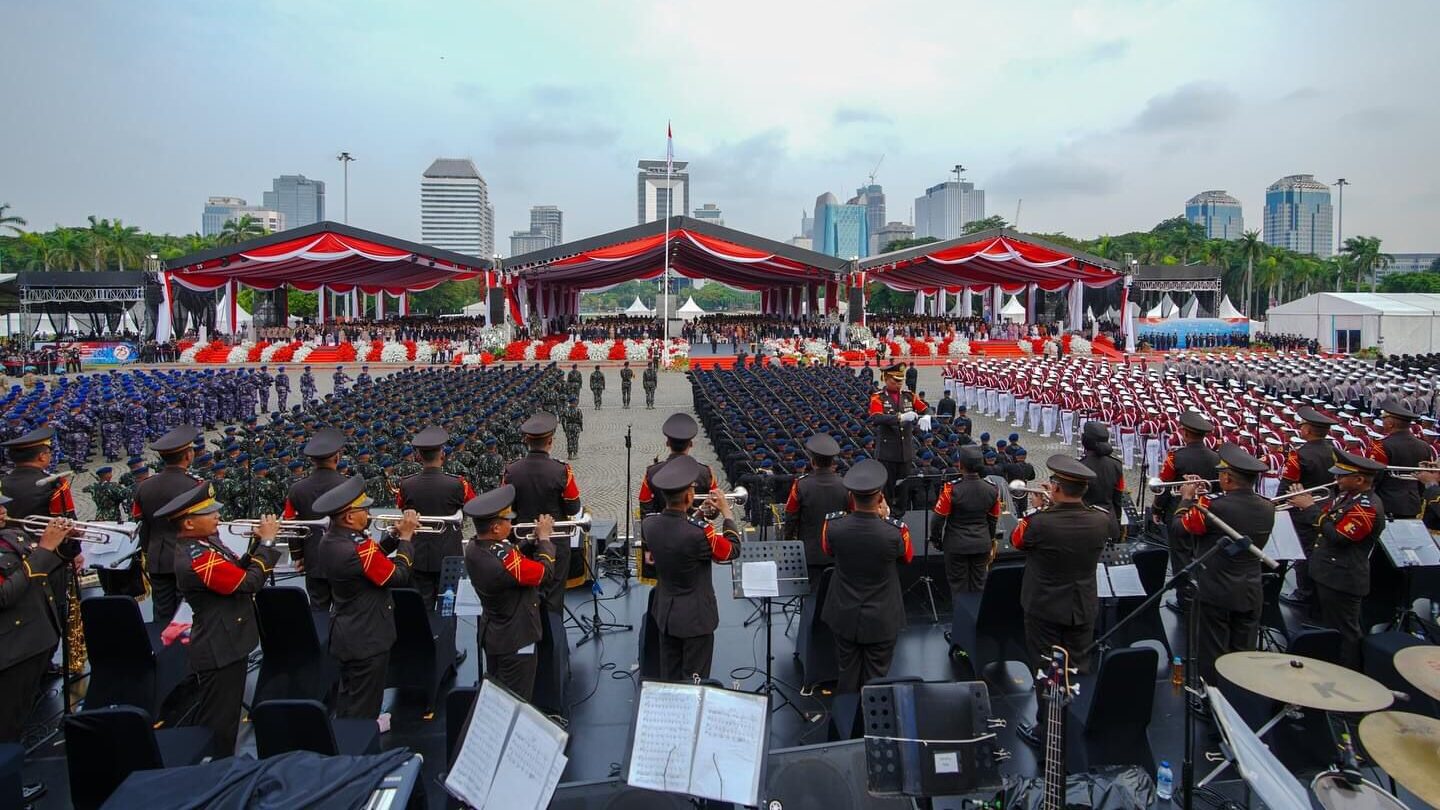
[
  {"x": 1420, "y": 666},
  {"x": 1302, "y": 681},
  {"x": 1407, "y": 746}
]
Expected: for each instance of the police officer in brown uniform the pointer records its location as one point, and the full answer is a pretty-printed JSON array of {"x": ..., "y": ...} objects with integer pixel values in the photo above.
[
  {"x": 28, "y": 614},
  {"x": 679, "y": 430},
  {"x": 814, "y": 497},
  {"x": 1193, "y": 459},
  {"x": 1108, "y": 488},
  {"x": 893, "y": 412},
  {"x": 508, "y": 583},
  {"x": 1399, "y": 448},
  {"x": 220, "y": 588},
  {"x": 545, "y": 486},
  {"x": 157, "y": 534},
  {"x": 682, "y": 549},
  {"x": 433, "y": 493},
  {"x": 1346, "y": 529},
  {"x": 1308, "y": 466},
  {"x": 966, "y": 514},
  {"x": 323, "y": 450},
  {"x": 864, "y": 606},
  {"x": 1062, "y": 543},
  {"x": 362, "y": 623},
  {"x": 1228, "y": 591}
]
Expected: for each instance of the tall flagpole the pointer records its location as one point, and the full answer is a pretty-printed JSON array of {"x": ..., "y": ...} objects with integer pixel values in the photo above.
[{"x": 669, "y": 199}]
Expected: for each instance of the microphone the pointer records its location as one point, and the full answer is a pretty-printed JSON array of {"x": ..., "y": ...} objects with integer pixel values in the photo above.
[{"x": 50, "y": 479}]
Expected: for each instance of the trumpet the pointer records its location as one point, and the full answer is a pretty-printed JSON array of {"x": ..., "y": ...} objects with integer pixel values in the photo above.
[
  {"x": 738, "y": 496},
  {"x": 96, "y": 533},
  {"x": 526, "y": 531},
  {"x": 429, "y": 524},
  {"x": 1320, "y": 493},
  {"x": 1020, "y": 490},
  {"x": 1410, "y": 473},
  {"x": 289, "y": 529},
  {"x": 1158, "y": 487}
]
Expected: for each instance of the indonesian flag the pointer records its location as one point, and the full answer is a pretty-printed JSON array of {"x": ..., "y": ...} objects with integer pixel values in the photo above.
[{"x": 669, "y": 149}]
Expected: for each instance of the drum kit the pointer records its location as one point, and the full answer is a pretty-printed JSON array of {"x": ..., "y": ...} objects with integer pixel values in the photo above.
[{"x": 1405, "y": 745}]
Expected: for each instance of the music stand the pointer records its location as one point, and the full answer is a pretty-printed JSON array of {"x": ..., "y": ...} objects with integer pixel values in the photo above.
[
  {"x": 791, "y": 578},
  {"x": 929, "y": 739},
  {"x": 925, "y": 578},
  {"x": 1409, "y": 545},
  {"x": 592, "y": 627},
  {"x": 1262, "y": 772}
]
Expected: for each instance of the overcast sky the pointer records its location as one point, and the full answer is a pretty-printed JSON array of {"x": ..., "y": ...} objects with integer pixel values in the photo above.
[{"x": 1103, "y": 116}]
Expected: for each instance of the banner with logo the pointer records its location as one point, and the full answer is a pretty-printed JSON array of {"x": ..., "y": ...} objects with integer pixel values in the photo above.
[{"x": 100, "y": 352}]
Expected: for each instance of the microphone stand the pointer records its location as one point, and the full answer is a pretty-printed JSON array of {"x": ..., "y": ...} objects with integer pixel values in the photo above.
[{"x": 629, "y": 536}]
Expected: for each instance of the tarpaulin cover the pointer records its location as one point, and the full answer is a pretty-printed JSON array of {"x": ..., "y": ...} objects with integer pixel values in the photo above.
[{"x": 984, "y": 259}]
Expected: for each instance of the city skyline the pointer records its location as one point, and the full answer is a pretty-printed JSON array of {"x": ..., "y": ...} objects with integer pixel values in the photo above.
[{"x": 1100, "y": 125}]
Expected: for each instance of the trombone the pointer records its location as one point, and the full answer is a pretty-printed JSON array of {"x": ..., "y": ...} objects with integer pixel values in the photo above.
[
  {"x": 96, "y": 533},
  {"x": 429, "y": 524},
  {"x": 526, "y": 531},
  {"x": 1320, "y": 493},
  {"x": 289, "y": 529},
  {"x": 1158, "y": 487}
]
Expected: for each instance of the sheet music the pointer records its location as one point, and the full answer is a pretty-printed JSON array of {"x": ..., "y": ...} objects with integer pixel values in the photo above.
[
  {"x": 470, "y": 778},
  {"x": 527, "y": 763},
  {"x": 1284, "y": 543},
  {"x": 1271, "y": 780},
  {"x": 467, "y": 601},
  {"x": 729, "y": 747},
  {"x": 665, "y": 727},
  {"x": 758, "y": 579},
  {"x": 1409, "y": 544},
  {"x": 1125, "y": 580},
  {"x": 1102, "y": 581},
  {"x": 557, "y": 770}
]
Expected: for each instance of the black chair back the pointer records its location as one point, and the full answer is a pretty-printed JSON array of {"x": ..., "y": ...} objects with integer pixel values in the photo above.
[
  {"x": 122, "y": 657},
  {"x": 457, "y": 709},
  {"x": 1115, "y": 718},
  {"x": 815, "y": 644},
  {"x": 1150, "y": 561},
  {"x": 282, "y": 726},
  {"x": 648, "y": 642},
  {"x": 296, "y": 665},
  {"x": 552, "y": 668},
  {"x": 1322, "y": 643},
  {"x": 103, "y": 746},
  {"x": 424, "y": 652}
]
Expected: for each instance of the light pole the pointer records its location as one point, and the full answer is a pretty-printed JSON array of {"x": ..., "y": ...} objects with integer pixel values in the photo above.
[
  {"x": 346, "y": 159},
  {"x": 1340, "y": 230}
]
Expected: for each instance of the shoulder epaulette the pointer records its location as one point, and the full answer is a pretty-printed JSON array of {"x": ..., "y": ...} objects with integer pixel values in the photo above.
[
  {"x": 695, "y": 521},
  {"x": 896, "y": 522},
  {"x": 1363, "y": 499},
  {"x": 835, "y": 516},
  {"x": 195, "y": 550},
  {"x": 802, "y": 476}
]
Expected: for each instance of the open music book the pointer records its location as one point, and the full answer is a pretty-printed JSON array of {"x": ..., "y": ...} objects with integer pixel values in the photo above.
[
  {"x": 699, "y": 740},
  {"x": 512, "y": 755}
]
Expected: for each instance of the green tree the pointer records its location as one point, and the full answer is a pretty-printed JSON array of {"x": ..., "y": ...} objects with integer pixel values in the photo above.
[
  {"x": 240, "y": 230},
  {"x": 1363, "y": 253},
  {"x": 68, "y": 248},
  {"x": 97, "y": 242},
  {"x": 1435, "y": 265},
  {"x": 447, "y": 298},
  {"x": 901, "y": 244},
  {"x": 1411, "y": 283},
  {"x": 11, "y": 222},
  {"x": 1251, "y": 248},
  {"x": 126, "y": 243},
  {"x": 993, "y": 222}
]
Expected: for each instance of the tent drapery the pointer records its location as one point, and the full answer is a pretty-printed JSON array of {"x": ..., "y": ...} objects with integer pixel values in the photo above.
[{"x": 987, "y": 259}]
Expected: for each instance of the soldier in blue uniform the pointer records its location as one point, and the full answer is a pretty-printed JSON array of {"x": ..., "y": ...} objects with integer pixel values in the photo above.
[
  {"x": 339, "y": 380},
  {"x": 282, "y": 388},
  {"x": 262, "y": 380},
  {"x": 307, "y": 387}
]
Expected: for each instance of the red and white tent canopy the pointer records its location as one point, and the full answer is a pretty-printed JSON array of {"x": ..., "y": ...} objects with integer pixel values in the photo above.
[
  {"x": 986, "y": 259},
  {"x": 330, "y": 255}
]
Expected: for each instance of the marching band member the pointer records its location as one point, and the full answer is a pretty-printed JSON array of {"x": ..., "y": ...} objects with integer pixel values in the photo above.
[
  {"x": 508, "y": 584},
  {"x": 1228, "y": 591},
  {"x": 29, "y": 609},
  {"x": 220, "y": 588},
  {"x": 1108, "y": 488},
  {"x": 323, "y": 450},
  {"x": 362, "y": 624},
  {"x": 545, "y": 486},
  {"x": 682, "y": 550},
  {"x": 679, "y": 430},
  {"x": 1399, "y": 448},
  {"x": 864, "y": 607},
  {"x": 1196, "y": 459},
  {"x": 1308, "y": 466},
  {"x": 814, "y": 496},
  {"x": 433, "y": 493},
  {"x": 893, "y": 412},
  {"x": 966, "y": 514},
  {"x": 1346, "y": 529},
  {"x": 157, "y": 535}
]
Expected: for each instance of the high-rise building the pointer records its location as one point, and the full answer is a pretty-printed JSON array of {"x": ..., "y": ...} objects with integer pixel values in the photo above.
[
  {"x": 710, "y": 212},
  {"x": 1218, "y": 213},
  {"x": 526, "y": 241},
  {"x": 872, "y": 197},
  {"x": 947, "y": 208},
  {"x": 801, "y": 242},
  {"x": 220, "y": 210},
  {"x": 1298, "y": 215},
  {"x": 549, "y": 220},
  {"x": 658, "y": 196},
  {"x": 455, "y": 209},
  {"x": 807, "y": 225},
  {"x": 1408, "y": 263},
  {"x": 889, "y": 232},
  {"x": 299, "y": 198},
  {"x": 840, "y": 230}
]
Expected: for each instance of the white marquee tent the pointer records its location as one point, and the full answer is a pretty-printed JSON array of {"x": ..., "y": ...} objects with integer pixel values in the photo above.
[
  {"x": 1013, "y": 310},
  {"x": 690, "y": 309},
  {"x": 1398, "y": 323},
  {"x": 639, "y": 308}
]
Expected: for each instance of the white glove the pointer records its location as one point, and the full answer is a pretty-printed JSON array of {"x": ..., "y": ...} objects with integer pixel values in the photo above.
[{"x": 909, "y": 416}]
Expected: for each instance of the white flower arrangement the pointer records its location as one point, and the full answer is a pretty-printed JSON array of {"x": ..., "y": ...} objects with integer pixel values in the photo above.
[
  {"x": 424, "y": 352},
  {"x": 560, "y": 352},
  {"x": 903, "y": 347},
  {"x": 1025, "y": 346},
  {"x": 862, "y": 334},
  {"x": 240, "y": 352},
  {"x": 637, "y": 351},
  {"x": 393, "y": 352},
  {"x": 188, "y": 356},
  {"x": 598, "y": 350},
  {"x": 1051, "y": 348},
  {"x": 959, "y": 347},
  {"x": 1080, "y": 347},
  {"x": 267, "y": 354},
  {"x": 492, "y": 339},
  {"x": 815, "y": 348},
  {"x": 531, "y": 346},
  {"x": 303, "y": 352},
  {"x": 471, "y": 360}
]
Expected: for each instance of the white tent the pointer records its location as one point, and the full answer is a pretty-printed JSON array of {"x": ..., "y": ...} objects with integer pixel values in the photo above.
[
  {"x": 1013, "y": 310},
  {"x": 1228, "y": 311},
  {"x": 690, "y": 310},
  {"x": 1398, "y": 323},
  {"x": 1157, "y": 311},
  {"x": 639, "y": 308},
  {"x": 1191, "y": 308}
]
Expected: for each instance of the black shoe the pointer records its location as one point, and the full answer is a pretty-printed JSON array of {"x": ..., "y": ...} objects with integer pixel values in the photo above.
[
  {"x": 1031, "y": 735},
  {"x": 460, "y": 657},
  {"x": 32, "y": 791},
  {"x": 1296, "y": 598}
]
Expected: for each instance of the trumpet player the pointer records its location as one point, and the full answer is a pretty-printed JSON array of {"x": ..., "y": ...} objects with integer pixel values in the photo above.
[
  {"x": 1308, "y": 466},
  {"x": 682, "y": 549},
  {"x": 508, "y": 583},
  {"x": 812, "y": 498},
  {"x": 545, "y": 486},
  {"x": 1430, "y": 498},
  {"x": 431, "y": 492},
  {"x": 220, "y": 588},
  {"x": 679, "y": 430},
  {"x": 1399, "y": 448},
  {"x": 1192, "y": 459},
  {"x": 157, "y": 535},
  {"x": 966, "y": 515},
  {"x": 323, "y": 451},
  {"x": 1228, "y": 592}
]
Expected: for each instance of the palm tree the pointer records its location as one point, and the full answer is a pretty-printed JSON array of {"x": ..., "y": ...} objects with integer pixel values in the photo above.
[
  {"x": 1251, "y": 248},
  {"x": 10, "y": 221},
  {"x": 98, "y": 239},
  {"x": 69, "y": 248},
  {"x": 1364, "y": 253},
  {"x": 125, "y": 242},
  {"x": 239, "y": 230},
  {"x": 38, "y": 245}
]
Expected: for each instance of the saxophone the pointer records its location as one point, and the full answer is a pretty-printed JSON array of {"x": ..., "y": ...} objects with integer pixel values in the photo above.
[{"x": 74, "y": 625}]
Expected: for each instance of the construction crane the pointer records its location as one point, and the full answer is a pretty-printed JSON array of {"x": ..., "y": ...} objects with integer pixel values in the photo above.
[{"x": 876, "y": 170}]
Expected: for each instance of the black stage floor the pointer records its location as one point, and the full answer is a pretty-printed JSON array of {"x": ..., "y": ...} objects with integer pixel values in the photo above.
[{"x": 603, "y": 688}]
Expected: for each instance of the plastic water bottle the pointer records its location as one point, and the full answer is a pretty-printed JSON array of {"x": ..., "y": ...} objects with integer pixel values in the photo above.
[
  {"x": 1177, "y": 672},
  {"x": 1164, "y": 781},
  {"x": 447, "y": 602}
]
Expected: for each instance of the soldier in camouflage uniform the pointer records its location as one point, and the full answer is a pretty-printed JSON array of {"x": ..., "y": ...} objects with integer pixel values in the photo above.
[
  {"x": 262, "y": 380},
  {"x": 338, "y": 380},
  {"x": 459, "y": 461},
  {"x": 307, "y": 387},
  {"x": 107, "y": 495},
  {"x": 573, "y": 381},
  {"x": 282, "y": 388},
  {"x": 227, "y": 492},
  {"x": 597, "y": 386},
  {"x": 489, "y": 466},
  {"x": 571, "y": 421},
  {"x": 112, "y": 425},
  {"x": 627, "y": 377},
  {"x": 269, "y": 496},
  {"x": 650, "y": 380}
]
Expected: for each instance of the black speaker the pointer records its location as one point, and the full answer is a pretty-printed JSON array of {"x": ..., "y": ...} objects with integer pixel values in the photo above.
[
  {"x": 856, "y": 313},
  {"x": 822, "y": 777},
  {"x": 496, "y": 313},
  {"x": 613, "y": 794}
]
